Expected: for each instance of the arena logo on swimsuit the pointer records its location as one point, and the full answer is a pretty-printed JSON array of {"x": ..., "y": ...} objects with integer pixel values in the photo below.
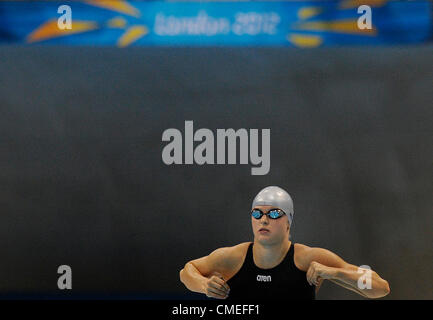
[
  {"x": 204, "y": 152},
  {"x": 264, "y": 278}
]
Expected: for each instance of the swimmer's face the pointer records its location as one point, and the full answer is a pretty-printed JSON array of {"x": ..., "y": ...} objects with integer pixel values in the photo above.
[{"x": 270, "y": 231}]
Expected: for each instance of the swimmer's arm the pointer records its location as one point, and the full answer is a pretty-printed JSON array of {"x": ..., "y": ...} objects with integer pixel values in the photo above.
[
  {"x": 324, "y": 264},
  {"x": 195, "y": 274},
  {"x": 191, "y": 277}
]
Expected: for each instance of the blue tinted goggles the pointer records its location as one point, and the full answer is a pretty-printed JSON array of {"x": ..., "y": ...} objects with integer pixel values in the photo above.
[{"x": 272, "y": 214}]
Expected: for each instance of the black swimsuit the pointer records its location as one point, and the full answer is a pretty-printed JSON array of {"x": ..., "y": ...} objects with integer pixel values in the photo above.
[{"x": 283, "y": 282}]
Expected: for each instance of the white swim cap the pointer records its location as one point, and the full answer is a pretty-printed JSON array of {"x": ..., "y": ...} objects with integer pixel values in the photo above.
[{"x": 276, "y": 197}]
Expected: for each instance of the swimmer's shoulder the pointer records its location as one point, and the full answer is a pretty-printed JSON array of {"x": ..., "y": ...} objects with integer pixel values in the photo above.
[
  {"x": 302, "y": 256},
  {"x": 233, "y": 254},
  {"x": 232, "y": 258},
  {"x": 239, "y": 251},
  {"x": 301, "y": 248}
]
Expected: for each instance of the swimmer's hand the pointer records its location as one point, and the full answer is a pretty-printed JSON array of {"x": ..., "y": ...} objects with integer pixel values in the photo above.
[
  {"x": 318, "y": 272},
  {"x": 216, "y": 287}
]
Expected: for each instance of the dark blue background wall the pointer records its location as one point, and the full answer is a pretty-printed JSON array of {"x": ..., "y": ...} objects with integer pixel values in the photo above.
[{"x": 82, "y": 182}]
